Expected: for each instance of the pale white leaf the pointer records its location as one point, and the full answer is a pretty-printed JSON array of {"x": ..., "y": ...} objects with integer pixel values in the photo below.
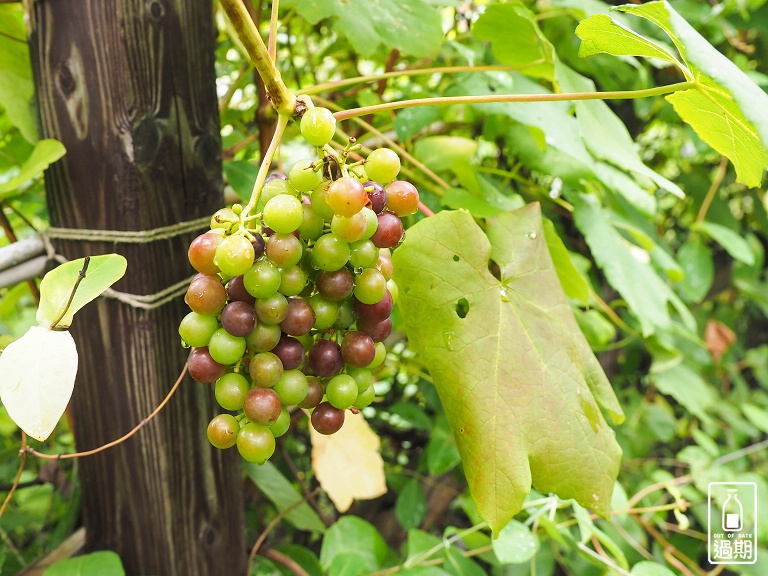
[
  {"x": 37, "y": 376},
  {"x": 348, "y": 464}
]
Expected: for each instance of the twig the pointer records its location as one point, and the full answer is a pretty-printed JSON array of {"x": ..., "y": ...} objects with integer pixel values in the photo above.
[
  {"x": 310, "y": 496},
  {"x": 286, "y": 561},
  {"x": 655, "y": 487},
  {"x": 241, "y": 75},
  {"x": 272, "y": 41},
  {"x": 6, "y": 225},
  {"x": 23, "y": 454},
  {"x": 120, "y": 440},
  {"x": 275, "y": 521},
  {"x": 719, "y": 175},
  {"x": 80, "y": 278}
]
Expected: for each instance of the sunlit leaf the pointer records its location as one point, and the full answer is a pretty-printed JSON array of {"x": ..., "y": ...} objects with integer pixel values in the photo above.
[
  {"x": 103, "y": 563},
  {"x": 56, "y": 286},
  {"x": 518, "y": 382},
  {"x": 37, "y": 376},
  {"x": 45, "y": 153},
  {"x": 355, "y": 449}
]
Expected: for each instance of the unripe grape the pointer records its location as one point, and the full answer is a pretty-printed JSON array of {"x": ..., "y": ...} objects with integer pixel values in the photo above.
[
  {"x": 402, "y": 198},
  {"x": 341, "y": 391},
  {"x": 255, "y": 443},
  {"x": 370, "y": 286},
  {"x": 371, "y": 222},
  {"x": 349, "y": 228},
  {"x": 318, "y": 126},
  {"x": 346, "y": 196},
  {"x": 363, "y": 254},
  {"x": 196, "y": 329},
  {"x": 263, "y": 338},
  {"x": 325, "y": 311},
  {"x": 320, "y": 202},
  {"x": 202, "y": 251},
  {"x": 381, "y": 356},
  {"x": 362, "y": 376},
  {"x": 312, "y": 225},
  {"x": 262, "y": 279},
  {"x": 283, "y": 213},
  {"x": 281, "y": 425},
  {"x": 303, "y": 177},
  {"x": 234, "y": 255},
  {"x": 223, "y": 219},
  {"x": 292, "y": 387},
  {"x": 226, "y": 348},
  {"x": 314, "y": 393},
  {"x": 393, "y": 290},
  {"x": 222, "y": 431},
  {"x": 230, "y": 391},
  {"x": 330, "y": 253},
  {"x": 292, "y": 281},
  {"x": 284, "y": 250},
  {"x": 265, "y": 369},
  {"x": 364, "y": 398},
  {"x": 271, "y": 310},
  {"x": 382, "y": 165},
  {"x": 346, "y": 316}
]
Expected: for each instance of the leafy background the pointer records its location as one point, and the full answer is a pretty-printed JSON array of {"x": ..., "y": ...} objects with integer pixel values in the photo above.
[{"x": 657, "y": 240}]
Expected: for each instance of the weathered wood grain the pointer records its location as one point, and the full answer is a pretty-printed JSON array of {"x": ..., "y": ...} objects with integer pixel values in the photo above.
[{"x": 129, "y": 87}]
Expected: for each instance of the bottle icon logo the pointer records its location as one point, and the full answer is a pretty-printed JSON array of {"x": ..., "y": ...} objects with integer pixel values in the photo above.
[
  {"x": 732, "y": 522},
  {"x": 733, "y": 512}
]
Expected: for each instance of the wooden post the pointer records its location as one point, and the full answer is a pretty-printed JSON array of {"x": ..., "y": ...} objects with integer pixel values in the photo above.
[{"x": 129, "y": 87}]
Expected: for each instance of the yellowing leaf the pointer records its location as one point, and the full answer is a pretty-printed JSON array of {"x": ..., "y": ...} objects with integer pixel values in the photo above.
[
  {"x": 348, "y": 464},
  {"x": 37, "y": 376}
]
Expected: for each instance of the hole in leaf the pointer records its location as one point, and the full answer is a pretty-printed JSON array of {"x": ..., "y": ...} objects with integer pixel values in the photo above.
[
  {"x": 494, "y": 269},
  {"x": 462, "y": 308},
  {"x": 456, "y": 258}
]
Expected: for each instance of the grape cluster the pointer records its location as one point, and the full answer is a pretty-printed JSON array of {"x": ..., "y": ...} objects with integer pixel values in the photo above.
[{"x": 291, "y": 304}]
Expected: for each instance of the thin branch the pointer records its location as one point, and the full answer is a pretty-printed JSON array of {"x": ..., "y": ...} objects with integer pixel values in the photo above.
[
  {"x": 286, "y": 561},
  {"x": 282, "y": 98},
  {"x": 719, "y": 175},
  {"x": 120, "y": 440},
  {"x": 23, "y": 453},
  {"x": 245, "y": 68},
  {"x": 497, "y": 98},
  {"x": 6, "y": 226},
  {"x": 282, "y": 122},
  {"x": 310, "y": 496},
  {"x": 80, "y": 278},
  {"x": 272, "y": 47},
  {"x": 656, "y": 487}
]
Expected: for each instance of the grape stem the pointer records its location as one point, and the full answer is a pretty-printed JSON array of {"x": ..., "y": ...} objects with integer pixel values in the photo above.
[
  {"x": 282, "y": 122},
  {"x": 497, "y": 98}
]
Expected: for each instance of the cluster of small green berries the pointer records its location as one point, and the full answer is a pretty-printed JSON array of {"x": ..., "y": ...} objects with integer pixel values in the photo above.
[{"x": 291, "y": 306}]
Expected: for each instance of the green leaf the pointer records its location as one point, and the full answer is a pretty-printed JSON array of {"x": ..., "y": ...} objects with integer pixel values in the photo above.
[
  {"x": 283, "y": 494},
  {"x": 596, "y": 329},
  {"x": 650, "y": 569},
  {"x": 412, "y": 26},
  {"x": 726, "y": 108},
  {"x": 516, "y": 544},
  {"x": 303, "y": 557},
  {"x": 757, "y": 416},
  {"x": 45, "y": 153},
  {"x": 354, "y": 536},
  {"x": 441, "y": 152},
  {"x": 411, "y": 505},
  {"x": 516, "y": 39},
  {"x": 17, "y": 88},
  {"x": 476, "y": 205},
  {"x": 695, "y": 258},
  {"x": 410, "y": 121},
  {"x": 689, "y": 389},
  {"x": 532, "y": 423},
  {"x": 574, "y": 284},
  {"x": 602, "y": 34},
  {"x": 96, "y": 564},
  {"x": 420, "y": 543},
  {"x": 411, "y": 414},
  {"x": 441, "y": 453},
  {"x": 56, "y": 286},
  {"x": 241, "y": 176},
  {"x": 734, "y": 244}
]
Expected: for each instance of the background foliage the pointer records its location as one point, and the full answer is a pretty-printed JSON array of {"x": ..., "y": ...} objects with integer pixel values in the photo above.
[{"x": 660, "y": 251}]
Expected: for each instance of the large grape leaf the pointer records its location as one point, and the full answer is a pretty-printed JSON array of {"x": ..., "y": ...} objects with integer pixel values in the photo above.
[
  {"x": 518, "y": 382},
  {"x": 17, "y": 89},
  {"x": 412, "y": 26},
  {"x": 725, "y": 107}
]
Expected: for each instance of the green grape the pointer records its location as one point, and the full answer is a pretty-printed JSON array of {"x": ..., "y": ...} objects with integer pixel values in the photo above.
[
  {"x": 255, "y": 443},
  {"x": 230, "y": 391},
  {"x": 370, "y": 286},
  {"x": 262, "y": 279},
  {"x": 265, "y": 369},
  {"x": 364, "y": 398},
  {"x": 292, "y": 281},
  {"x": 325, "y": 312},
  {"x": 312, "y": 225},
  {"x": 271, "y": 310},
  {"x": 225, "y": 348},
  {"x": 196, "y": 329},
  {"x": 381, "y": 355},
  {"x": 349, "y": 228},
  {"x": 330, "y": 253},
  {"x": 320, "y": 202},
  {"x": 292, "y": 387},
  {"x": 223, "y": 219},
  {"x": 393, "y": 290},
  {"x": 371, "y": 222},
  {"x": 346, "y": 316},
  {"x": 234, "y": 255},
  {"x": 303, "y": 177},
  {"x": 382, "y": 165},
  {"x": 274, "y": 188},
  {"x": 362, "y": 376},
  {"x": 222, "y": 431},
  {"x": 281, "y": 425},
  {"x": 263, "y": 338},
  {"x": 283, "y": 214},
  {"x": 318, "y": 126},
  {"x": 363, "y": 254},
  {"x": 341, "y": 391}
]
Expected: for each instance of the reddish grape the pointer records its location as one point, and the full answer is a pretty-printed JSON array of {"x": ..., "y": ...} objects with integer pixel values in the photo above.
[
  {"x": 325, "y": 358},
  {"x": 326, "y": 419},
  {"x": 314, "y": 395},
  {"x": 262, "y": 406},
  {"x": 402, "y": 198},
  {"x": 385, "y": 266},
  {"x": 202, "y": 250},
  {"x": 374, "y": 313},
  {"x": 299, "y": 318},
  {"x": 206, "y": 295},
  {"x": 336, "y": 285},
  {"x": 346, "y": 196},
  {"x": 238, "y": 293},
  {"x": 203, "y": 368},
  {"x": 377, "y": 195},
  {"x": 389, "y": 232},
  {"x": 378, "y": 331},
  {"x": 238, "y": 318},
  {"x": 358, "y": 349},
  {"x": 258, "y": 246},
  {"x": 222, "y": 431},
  {"x": 290, "y": 351}
]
